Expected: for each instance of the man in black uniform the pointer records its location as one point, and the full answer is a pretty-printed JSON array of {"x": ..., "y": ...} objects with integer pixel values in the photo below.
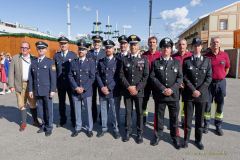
[
  {"x": 62, "y": 61},
  {"x": 166, "y": 76},
  {"x": 197, "y": 72},
  {"x": 96, "y": 54},
  {"x": 133, "y": 75},
  {"x": 124, "y": 46}
]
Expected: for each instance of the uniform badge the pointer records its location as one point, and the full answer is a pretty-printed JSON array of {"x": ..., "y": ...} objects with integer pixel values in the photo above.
[
  {"x": 53, "y": 67},
  {"x": 190, "y": 67},
  {"x": 175, "y": 69},
  {"x": 161, "y": 67},
  {"x": 74, "y": 73},
  {"x": 128, "y": 65},
  {"x": 45, "y": 67},
  {"x": 69, "y": 60}
]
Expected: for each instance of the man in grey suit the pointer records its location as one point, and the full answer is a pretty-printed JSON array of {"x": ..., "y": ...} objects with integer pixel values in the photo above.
[{"x": 18, "y": 82}]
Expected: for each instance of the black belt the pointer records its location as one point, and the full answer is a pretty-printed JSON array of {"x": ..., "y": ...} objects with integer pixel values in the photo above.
[{"x": 217, "y": 80}]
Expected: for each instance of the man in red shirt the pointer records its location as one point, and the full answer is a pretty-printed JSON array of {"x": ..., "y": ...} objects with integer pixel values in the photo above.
[
  {"x": 220, "y": 68},
  {"x": 151, "y": 55},
  {"x": 182, "y": 54}
]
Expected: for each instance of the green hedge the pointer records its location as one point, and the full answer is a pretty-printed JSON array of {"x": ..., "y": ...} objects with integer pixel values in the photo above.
[{"x": 32, "y": 35}]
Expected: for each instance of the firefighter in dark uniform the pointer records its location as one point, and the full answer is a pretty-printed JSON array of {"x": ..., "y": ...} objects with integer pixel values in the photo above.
[
  {"x": 133, "y": 75},
  {"x": 62, "y": 61},
  {"x": 81, "y": 76},
  {"x": 42, "y": 85},
  {"x": 197, "y": 73},
  {"x": 124, "y": 47},
  {"x": 166, "y": 76},
  {"x": 217, "y": 89},
  {"x": 108, "y": 82},
  {"x": 96, "y": 54}
]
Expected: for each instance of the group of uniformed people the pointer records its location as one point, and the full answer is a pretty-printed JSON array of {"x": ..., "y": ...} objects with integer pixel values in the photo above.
[{"x": 192, "y": 77}]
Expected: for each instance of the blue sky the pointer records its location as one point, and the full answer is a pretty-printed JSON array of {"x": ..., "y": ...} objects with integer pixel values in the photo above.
[{"x": 50, "y": 15}]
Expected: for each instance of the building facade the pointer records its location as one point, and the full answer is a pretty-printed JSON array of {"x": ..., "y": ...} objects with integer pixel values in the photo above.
[{"x": 220, "y": 23}]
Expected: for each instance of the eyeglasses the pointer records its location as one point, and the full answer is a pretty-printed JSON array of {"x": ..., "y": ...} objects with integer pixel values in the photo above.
[{"x": 25, "y": 48}]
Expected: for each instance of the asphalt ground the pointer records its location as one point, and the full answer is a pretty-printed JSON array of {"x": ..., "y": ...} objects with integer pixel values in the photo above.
[{"x": 29, "y": 145}]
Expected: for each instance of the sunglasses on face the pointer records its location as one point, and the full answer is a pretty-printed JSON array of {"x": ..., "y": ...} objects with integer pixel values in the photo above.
[{"x": 25, "y": 48}]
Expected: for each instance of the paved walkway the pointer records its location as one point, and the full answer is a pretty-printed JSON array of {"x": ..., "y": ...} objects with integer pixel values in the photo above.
[{"x": 29, "y": 145}]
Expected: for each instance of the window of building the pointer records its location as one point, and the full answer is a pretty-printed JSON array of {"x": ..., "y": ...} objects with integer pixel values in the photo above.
[{"x": 223, "y": 24}]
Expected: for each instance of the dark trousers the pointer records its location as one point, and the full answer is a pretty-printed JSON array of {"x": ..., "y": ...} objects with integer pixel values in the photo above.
[
  {"x": 173, "y": 117},
  {"x": 129, "y": 108},
  {"x": 45, "y": 110},
  {"x": 94, "y": 102},
  {"x": 217, "y": 92},
  {"x": 62, "y": 105},
  {"x": 188, "y": 111},
  {"x": 147, "y": 94}
]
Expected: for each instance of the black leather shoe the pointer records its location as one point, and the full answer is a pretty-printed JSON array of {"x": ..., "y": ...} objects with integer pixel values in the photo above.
[
  {"x": 89, "y": 134},
  {"x": 116, "y": 135},
  {"x": 127, "y": 137},
  {"x": 139, "y": 139},
  {"x": 155, "y": 141},
  {"x": 176, "y": 144},
  {"x": 101, "y": 134},
  {"x": 199, "y": 145},
  {"x": 219, "y": 131},
  {"x": 41, "y": 130},
  {"x": 185, "y": 144},
  {"x": 48, "y": 133},
  {"x": 61, "y": 124},
  {"x": 75, "y": 133}
]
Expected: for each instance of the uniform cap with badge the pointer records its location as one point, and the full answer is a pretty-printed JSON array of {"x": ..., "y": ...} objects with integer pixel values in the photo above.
[
  {"x": 82, "y": 44},
  {"x": 196, "y": 41},
  {"x": 41, "y": 45},
  {"x": 97, "y": 38},
  {"x": 133, "y": 39},
  {"x": 123, "y": 39},
  {"x": 108, "y": 44},
  {"x": 166, "y": 42},
  {"x": 63, "y": 39}
]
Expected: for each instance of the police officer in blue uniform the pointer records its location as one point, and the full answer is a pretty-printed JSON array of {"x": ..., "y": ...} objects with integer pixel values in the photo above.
[
  {"x": 42, "y": 85},
  {"x": 197, "y": 72},
  {"x": 62, "y": 61},
  {"x": 81, "y": 76},
  {"x": 108, "y": 82},
  {"x": 124, "y": 47},
  {"x": 133, "y": 75},
  {"x": 166, "y": 77},
  {"x": 96, "y": 54}
]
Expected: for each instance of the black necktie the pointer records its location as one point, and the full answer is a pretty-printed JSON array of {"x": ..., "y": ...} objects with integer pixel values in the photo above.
[
  {"x": 39, "y": 60},
  {"x": 197, "y": 59},
  {"x": 80, "y": 62}
]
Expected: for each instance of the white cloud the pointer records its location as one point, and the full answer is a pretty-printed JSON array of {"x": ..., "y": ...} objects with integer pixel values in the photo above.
[
  {"x": 176, "y": 19},
  {"x": 127, "y": 26},
  {"x": 85, "y": 8},
  {"x": 177, "y": 13},
  {"x": 195, "y": 2}
]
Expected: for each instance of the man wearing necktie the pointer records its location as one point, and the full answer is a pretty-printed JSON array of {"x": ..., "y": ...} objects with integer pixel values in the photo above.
[
  {"x": 197, "y": 72},
  {"x": 42, "y": 85},
  {"x": 133, "y": 76},
  {"x": 62, "y": 61},
  {"x": 108, "y": 82},
  {"x": 166, "y": 77},
  {"x": 124, "y": 47},
  {"x": 96, "y": 54},
  {"x": 81, "y": 76}
]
